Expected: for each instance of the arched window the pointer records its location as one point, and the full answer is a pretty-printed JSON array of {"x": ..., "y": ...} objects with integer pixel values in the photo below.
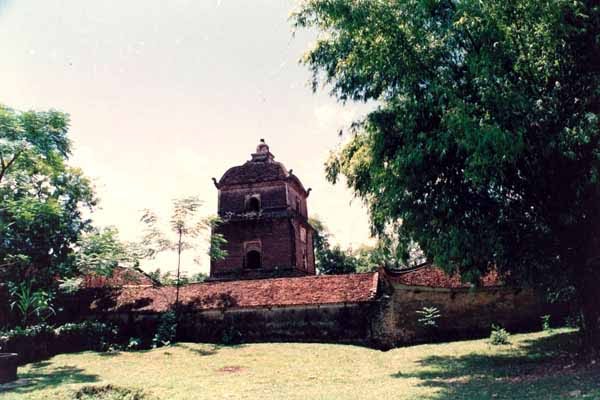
[
  {"x": 253, "y": 259},
  {"x": 253, "y": 204}
]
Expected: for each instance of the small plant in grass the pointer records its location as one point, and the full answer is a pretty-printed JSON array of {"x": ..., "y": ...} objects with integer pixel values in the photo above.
[
  {"x": 546, "y": 322},
  {"x": 134, "y": 343},
  {"x": 499, "y": 335},
  {"x": 166, "y": 330},
  {"x": 428, "y": 317}
]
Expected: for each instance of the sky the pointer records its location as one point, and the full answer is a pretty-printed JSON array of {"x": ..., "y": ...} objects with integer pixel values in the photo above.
[{"x": 163, "y": 96}]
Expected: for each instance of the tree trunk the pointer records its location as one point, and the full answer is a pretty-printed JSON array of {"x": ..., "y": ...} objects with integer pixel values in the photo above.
[
  {"x": 587, "y": 283},
  {"x": 177, "y": 282},
  {"x": 589, "y": 303}
]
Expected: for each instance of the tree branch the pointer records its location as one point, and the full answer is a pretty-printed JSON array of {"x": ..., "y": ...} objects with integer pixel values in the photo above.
[{"x": 6, "y": 166}]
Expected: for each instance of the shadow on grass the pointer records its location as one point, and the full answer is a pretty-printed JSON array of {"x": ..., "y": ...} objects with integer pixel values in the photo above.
[
  {"x": 38, "y": 378},
  {"x": 212, "y": 350},
  {"x": 537, "y": 369}
]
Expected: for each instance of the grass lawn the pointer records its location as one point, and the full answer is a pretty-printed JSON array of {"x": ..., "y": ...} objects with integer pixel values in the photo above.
[{"x": 534, "y": 366}]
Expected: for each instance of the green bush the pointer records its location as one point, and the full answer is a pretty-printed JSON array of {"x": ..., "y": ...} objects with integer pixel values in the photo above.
[
  {"x": 38, "y": 342},
  {"x": 134, "y": 343},
  {"x": 546, "y": 322},
  {"x": 499, "y": 336},
  {"x": 87, "y": 335},
  {"x": 108, "y": 392},
  {"x": 166, "y": 330},
  {"x": 31, "y": 343}
]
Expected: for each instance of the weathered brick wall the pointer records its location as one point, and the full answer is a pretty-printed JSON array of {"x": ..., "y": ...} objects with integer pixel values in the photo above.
[
  {"x": 271, "y": 196},
  {"x": 303, "y": 247},
  {"x": 388, "y": 321},
  {"x": 296, "y": 198},
  {"x": 274, "y": 234},
  {"x": 465, "y": 313},
  {"x": 328, "y": 323}
]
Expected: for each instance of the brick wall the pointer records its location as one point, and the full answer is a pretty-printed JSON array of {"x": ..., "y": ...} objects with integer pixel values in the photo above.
[
  {"x": 233, "y": 200},
  {"x": 465, "y": 313},
  {"x": 343, "y": 323},
  {"x": 388, "y": 321},
  {"x": 276, "y": 236}
]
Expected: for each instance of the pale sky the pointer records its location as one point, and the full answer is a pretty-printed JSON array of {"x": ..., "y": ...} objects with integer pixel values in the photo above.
[{"x": 164, "y": 95}]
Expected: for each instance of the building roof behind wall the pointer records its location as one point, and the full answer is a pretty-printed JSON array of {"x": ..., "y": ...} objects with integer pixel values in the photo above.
[
  {"x": 432, "y": 276},
  {"x": 259, "y": 293}
]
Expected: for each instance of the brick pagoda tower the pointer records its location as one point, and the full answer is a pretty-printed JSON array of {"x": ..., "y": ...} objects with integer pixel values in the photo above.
[{"x": 265, "y": 221}]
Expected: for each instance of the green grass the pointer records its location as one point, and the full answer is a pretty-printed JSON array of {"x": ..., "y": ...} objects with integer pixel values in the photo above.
[{"x": 534, "y": 366}]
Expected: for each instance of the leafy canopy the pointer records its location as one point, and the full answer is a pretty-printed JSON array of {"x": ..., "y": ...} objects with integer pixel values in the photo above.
[
  {"x": 42, "y": 198},
  {"x": 483, "y": 147}
]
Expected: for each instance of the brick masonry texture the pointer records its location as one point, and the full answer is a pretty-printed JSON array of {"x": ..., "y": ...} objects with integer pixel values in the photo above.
[
  {"x": 275, "y": 226},
  {"x": 466, "y": 311}
]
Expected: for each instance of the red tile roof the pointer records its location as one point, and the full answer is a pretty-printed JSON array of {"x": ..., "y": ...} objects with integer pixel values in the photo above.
[
  {"x": 432, "y": 276},
  {"x": 121, "y": 277},
  {"x": 278, "y": 292}
]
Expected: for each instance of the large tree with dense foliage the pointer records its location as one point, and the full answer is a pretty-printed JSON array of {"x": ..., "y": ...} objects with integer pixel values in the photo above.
[
  {"x": 42, "y": 198},
  {"x": 483, "y": 147}
]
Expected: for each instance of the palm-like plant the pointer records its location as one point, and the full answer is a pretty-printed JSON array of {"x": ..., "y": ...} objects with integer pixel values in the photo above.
[{"x": 31, "y": 305}]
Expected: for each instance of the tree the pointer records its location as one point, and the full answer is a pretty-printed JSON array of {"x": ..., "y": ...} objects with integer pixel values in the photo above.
[
  {"x": 330, "y": 260},
  {"x": 186, "y": 226},
  {"x": 335, "y": 261},
  {"x": 100, "y": 251},
  {"x": 483, "y": 147},
  {"x": 42, "y": 200}
]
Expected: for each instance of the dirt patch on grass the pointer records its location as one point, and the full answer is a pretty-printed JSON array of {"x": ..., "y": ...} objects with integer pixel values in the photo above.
[{"x": 231, "y": 369}]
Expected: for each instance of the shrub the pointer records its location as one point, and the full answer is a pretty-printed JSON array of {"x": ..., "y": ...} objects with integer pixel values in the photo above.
[
  {"x": 134, "y": 343},
  {"x": 31, "y": 343},
  {"x": 37, "y": 342},
  {"x": 108, "y": 392},
  {"x": 428, "y": 317},
  {"x": 87, "y": 335},
  {"x": 166, "y": 330},
  {"x": 499, "y": 336},
  {"x": 546, "y": 323}
]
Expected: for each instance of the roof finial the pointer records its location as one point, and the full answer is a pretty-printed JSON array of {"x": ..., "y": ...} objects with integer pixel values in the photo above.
[{"x": 262, "y": 152}]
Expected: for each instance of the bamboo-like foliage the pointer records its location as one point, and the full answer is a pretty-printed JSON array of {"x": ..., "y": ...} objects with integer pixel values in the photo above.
[{"x": 186, "y": 227}]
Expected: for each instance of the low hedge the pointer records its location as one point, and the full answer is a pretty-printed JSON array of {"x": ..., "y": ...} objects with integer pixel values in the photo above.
[{"x": 42, "y": 341}]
